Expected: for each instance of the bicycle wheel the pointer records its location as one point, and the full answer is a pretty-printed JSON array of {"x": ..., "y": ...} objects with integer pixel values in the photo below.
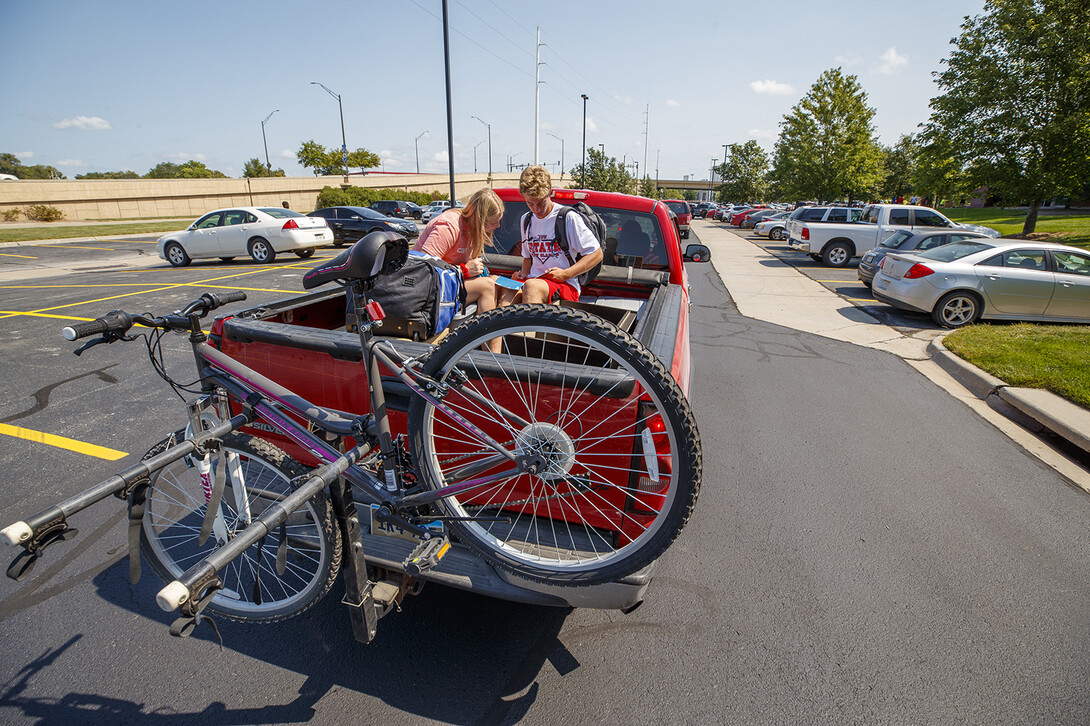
[
  {"x": 175, "y": 511},
  {"x": 615, "y": 443}
]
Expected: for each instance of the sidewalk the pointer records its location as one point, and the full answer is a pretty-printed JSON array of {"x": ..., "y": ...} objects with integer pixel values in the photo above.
[{"x": 767, "y": 289}]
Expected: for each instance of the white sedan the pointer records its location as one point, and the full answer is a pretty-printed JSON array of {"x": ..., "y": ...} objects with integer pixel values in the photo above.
[{"x": 259, "y": 232}]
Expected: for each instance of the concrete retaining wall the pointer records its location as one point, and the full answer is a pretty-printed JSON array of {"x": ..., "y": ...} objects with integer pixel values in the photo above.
[{"x": 94, "y": 199}]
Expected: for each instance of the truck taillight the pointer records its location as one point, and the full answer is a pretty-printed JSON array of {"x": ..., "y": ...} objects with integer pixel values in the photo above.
[
  {"x": 290, "y": 224},
  {"x": 569, "y": 194},
  {"x": 805, "y": 233}
]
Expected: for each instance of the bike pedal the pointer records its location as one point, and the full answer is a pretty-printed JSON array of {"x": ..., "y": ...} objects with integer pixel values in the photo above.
[{"x": 426, "y": 555}]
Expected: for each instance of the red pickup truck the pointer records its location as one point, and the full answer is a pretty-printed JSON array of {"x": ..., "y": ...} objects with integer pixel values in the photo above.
[{"x": 305, "y": 343}]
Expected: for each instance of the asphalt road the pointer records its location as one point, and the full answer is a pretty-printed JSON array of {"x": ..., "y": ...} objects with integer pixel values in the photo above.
[{"x": 865, "y": 550}]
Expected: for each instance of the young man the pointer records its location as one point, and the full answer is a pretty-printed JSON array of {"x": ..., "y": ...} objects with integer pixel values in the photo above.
[{"x": 548, "y": 273}]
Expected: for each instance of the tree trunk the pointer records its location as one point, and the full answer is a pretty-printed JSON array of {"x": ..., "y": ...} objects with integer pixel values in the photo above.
[{"x": 1031, "y": 217}]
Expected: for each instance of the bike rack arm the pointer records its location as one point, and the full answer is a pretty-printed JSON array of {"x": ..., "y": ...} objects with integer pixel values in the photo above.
[
  {"x": 191, "y": 587},
  {"x": 28, "y": 531}
]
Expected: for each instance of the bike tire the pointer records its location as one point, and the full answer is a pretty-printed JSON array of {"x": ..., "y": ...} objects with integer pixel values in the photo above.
[
  {"x": 586, "y": 393},
  {"x": 175, "y": 511}
]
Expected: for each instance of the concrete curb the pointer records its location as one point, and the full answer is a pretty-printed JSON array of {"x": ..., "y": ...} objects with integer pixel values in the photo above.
[{"x": 1054, "y": 413}]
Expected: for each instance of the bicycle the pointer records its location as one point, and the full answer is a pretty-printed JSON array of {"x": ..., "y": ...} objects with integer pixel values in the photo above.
[{"x": 571, "y": 457}]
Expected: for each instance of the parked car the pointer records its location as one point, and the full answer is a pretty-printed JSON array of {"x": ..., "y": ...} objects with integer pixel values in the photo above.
[
  {"x": 684, "y": 215},
  {"x": 750, "y": 220},
  {"x": 906, "y": 240},
  {"x": 351, "y": 223},
  {"x": 394, "y": 208},
  {"x": 260, "y": 232},
  {"x": 999, "y": 279},
  {"x": 416, "y": 209},
  {"x": 773, "y": 226},
  {"x": 437, "y": 207},
  {"x": 701, "y": 209}
]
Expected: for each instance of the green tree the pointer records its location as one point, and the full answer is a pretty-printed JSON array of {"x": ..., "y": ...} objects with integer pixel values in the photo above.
[
  {"x": 109, "y": 175},
  {"x": 938, "y": 173},
  {"x": 648, "y": 189},
  {"x": 9, "y": 164},
  {"x": 189, "y": 170},
  {"x": 330, "y": 162},
  {"x": 603, "y": 174},
  {"x": 39, "y": 171},
  {"x": 744, "y": 173},
  {"x": 900, "y": 168},
  {"x": 256, "y": 168},
  {"x": 826, "y": 147},
  {"x": 1015, "y": 99}
]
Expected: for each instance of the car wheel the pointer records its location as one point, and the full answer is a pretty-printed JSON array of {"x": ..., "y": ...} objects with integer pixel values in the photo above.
[
  {"x": 227, "y": 259},
  {"x": 776, "y": 234},
  {"x": 261, "y": 251},
  {"x": 305, "y": 253},
  {"x": 837, "y": 255},
  {"x": 176, "y": 256},
  {"x": 957, "y": 309}
]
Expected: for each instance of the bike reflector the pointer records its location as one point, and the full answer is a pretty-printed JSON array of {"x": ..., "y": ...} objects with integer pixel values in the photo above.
[{"x": 375, "y": 311}]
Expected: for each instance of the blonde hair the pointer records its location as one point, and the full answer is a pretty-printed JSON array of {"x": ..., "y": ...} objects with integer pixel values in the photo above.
[
  {"x": 535, "y": 182},
  {"x": 481, "y": 207}
]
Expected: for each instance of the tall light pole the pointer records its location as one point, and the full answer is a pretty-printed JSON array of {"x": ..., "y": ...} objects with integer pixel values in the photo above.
[
  {"x": 583, "y": 183},
  {"x": 710, "y": 175},
  {"x": 511, "y": 161},
  {"x": 344, "y": 143},
  {"x": 266, "y": 143},
  {"x": 475, "y": 155},
  {"x": 489, "y": 127},
  {"x": 416, "y": 143},
  {"x": 561, "y": 152},
  {"x": 724, "y": 160}
]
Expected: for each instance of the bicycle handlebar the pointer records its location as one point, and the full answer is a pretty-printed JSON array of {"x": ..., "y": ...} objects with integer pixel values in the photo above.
[{"x": 119, "y": 321}]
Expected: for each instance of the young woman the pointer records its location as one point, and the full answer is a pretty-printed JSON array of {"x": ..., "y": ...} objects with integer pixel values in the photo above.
[{"x": 458, "y": 236}]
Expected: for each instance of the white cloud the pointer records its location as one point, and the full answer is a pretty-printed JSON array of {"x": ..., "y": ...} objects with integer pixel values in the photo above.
[
  {"x": 591, "y": 126},
  {"x": 287, "y": 154},
  {"x": 626, "y": 100},
  {"x": 185, "y": 156},
  {"x": 892, "y": 61},
  {"x": 70, "y": 162},
  {"x": 546, "y": 126},
  {"x": 23, "y": 155},
  {"x": 772, "y": 88},
  {"x": 849, "y": 60},
  {"x": 671, "y": 103},
  {"x": 84, "y": 122}
]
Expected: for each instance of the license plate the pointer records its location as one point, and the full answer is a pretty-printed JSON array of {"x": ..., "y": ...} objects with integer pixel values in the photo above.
[
  {"x": 881, "y": 284},
  {"x": 387, "y": 529}
]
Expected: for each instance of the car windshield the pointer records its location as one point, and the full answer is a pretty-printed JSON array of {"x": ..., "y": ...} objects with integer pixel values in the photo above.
[
  {"x": 633, "y": 239},
  {"x": 280, "y": 212},
  {"x": 895, "y": 240},
  {"x": 955, "y": 251}
]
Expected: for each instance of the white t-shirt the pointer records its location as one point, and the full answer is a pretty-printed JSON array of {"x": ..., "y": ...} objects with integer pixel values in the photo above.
[{"x": 541, "y": 246}]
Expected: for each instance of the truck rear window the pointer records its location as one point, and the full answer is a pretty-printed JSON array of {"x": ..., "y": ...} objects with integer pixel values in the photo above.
[{"x": 633, "y": 239}]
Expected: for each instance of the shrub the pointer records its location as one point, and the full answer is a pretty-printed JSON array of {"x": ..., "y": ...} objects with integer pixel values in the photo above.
[
  {"x": 10, "y": 215},
  {"x": 363, "y": 196},
  {"x": 43, "y": 213}
]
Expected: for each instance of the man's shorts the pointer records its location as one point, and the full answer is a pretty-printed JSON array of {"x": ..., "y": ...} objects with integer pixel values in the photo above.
[{"x": 560, "y": 290}]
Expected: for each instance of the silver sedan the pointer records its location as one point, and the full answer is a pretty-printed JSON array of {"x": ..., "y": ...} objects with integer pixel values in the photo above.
[{"x": 998, "y": 279}]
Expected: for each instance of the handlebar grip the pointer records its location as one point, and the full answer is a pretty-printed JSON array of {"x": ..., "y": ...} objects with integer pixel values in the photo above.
[
  {"x": 118, "y": 320},
  {"x": 216, "y": 299},
  {"x": 17, "y": 533},
  {"x": 172, "y": 596}
]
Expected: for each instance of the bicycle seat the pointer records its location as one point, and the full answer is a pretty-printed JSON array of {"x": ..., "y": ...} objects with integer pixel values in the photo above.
[{"x": 378, "y": 253}]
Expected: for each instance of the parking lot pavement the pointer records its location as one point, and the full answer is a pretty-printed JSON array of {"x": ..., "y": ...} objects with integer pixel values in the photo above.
[{"x": 765, "y": 283}]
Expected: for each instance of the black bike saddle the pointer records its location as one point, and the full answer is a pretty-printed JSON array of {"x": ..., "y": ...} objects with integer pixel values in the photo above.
[{"x": 378, "y": 253}]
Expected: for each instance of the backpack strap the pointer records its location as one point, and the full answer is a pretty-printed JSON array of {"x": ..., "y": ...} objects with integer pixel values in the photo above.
[{"x": 561, "y": 230}]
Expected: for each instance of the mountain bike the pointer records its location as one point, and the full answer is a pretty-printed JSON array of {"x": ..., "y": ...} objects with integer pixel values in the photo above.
[{"x": 570, "y": 457}]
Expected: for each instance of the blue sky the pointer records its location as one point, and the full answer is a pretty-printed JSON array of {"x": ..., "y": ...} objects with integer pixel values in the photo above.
[{"x": 116, "y": 85}]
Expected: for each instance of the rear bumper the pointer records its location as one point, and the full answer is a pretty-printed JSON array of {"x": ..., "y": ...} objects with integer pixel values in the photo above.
[{"x": 798, "y": 244}]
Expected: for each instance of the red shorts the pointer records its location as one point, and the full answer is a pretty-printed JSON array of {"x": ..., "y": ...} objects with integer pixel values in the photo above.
[{"x": 560, "y": 290}]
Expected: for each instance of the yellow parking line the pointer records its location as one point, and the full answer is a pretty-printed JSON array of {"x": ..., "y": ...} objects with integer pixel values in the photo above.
[
  {"x": 861, "y": 299},
  {"x": 14, "y": 313},
  {"x": 62, "y": 442},
  {"x": 25, "y": 257}
]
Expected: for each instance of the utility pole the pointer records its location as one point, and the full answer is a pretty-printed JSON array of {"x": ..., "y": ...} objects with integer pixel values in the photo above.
[
  {"x": 537, "y": 98},
  {"x": 710, "y": 176},
  {"x": 450, "y": 113},
  {"x": 646, "y": 124},
  {"x": 561, "y": 152},
  {"x": 489, "y": 127},
  {"x": 344, "y": 144},
  {"x": 416, "y": 143},
  {"x": 583, "y": 183}
]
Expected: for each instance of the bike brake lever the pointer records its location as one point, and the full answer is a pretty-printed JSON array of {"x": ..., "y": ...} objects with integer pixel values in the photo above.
[{"x": 90, "y": 344}]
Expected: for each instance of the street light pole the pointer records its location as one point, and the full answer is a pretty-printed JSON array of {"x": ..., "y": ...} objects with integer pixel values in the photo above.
[
  {"x": 416, "y": 143},
  {"x": 344, "y": 143},
  {"x": 475, "y": 155},
  {"x": 583, "y": 183},
  {"x": 489, "y": 127},
  {"x": 266, "y": 143},
  {"x": 710, "y": 175},
  {"x": 561, "y": 152}
]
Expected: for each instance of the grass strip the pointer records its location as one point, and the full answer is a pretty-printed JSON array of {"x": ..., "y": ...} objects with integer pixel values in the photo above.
[
  {"x": 30, "y": 234},
  {"x": 1027, "y": 355},
  {"x": 1063, "y": 228}
]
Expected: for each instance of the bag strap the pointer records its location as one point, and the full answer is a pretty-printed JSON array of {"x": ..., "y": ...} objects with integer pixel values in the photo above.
[{"x": 561, "y": 231}]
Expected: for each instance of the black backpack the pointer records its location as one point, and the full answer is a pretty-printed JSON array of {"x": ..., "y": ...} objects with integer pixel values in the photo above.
[{"x": 594, "y": 223}]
